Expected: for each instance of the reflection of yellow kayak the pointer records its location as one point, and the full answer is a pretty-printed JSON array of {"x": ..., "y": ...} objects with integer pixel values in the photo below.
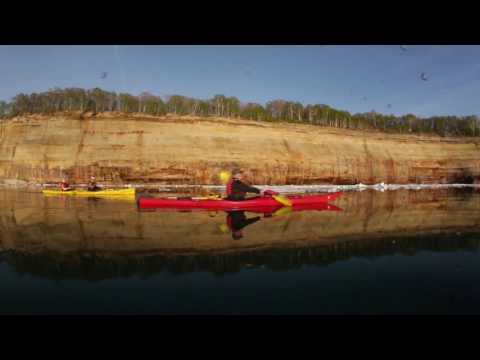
[{"x": 107, "y": 192}]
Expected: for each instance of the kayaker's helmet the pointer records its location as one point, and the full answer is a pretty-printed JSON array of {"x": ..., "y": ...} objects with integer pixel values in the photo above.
[{"x": 225, "y": 176}]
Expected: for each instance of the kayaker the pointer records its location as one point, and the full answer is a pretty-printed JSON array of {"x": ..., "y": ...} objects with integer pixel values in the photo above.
[
  {"x": 237, "y": 189},
  {"x": 92, "y": 185},
  {"x": 64, "y": 185},
  {"x": 236, "y": 221}
]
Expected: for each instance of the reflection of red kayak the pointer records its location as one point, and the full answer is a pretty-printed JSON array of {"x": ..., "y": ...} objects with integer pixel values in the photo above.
[
  {"x": 264, "y": 203},
  {"x": 305, "y": 207}
]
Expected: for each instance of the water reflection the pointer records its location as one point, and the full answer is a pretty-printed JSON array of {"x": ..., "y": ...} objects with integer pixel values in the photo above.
[
  {"x": 236, "y": 221},
  {"x": 95, "y": 239},
  {"x": 97, "y": 266}
]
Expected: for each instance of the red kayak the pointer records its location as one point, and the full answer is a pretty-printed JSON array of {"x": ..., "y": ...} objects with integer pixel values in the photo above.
[
  {"x": 264, "y": 203},
  {"x": 323, "y": 206}
]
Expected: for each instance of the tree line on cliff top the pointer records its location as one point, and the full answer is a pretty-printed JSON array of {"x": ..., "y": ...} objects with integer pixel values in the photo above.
[{"x": 98, "y": 100}]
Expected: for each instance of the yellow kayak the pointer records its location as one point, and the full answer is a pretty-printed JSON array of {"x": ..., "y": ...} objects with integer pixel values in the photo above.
[{"x": 107, "y": 192}]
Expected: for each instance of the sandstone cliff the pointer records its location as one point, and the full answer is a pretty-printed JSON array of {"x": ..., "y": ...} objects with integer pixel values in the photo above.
[{"x": 121, "y": 148}]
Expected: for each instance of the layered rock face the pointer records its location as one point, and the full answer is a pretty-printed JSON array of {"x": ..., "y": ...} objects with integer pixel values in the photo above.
[{"x": 119, "y": 148}]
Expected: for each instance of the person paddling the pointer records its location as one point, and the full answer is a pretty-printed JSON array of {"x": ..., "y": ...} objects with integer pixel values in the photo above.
[
  {"x": 237, "y": 189},
  {"x": 92, "y": 185},
  {"x": 64, "y": 185}
]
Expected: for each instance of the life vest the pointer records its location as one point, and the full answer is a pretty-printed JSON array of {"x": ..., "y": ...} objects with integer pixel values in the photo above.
[
  {"x": 229, "y": 221},
  {"x": 230, "y": 187}
]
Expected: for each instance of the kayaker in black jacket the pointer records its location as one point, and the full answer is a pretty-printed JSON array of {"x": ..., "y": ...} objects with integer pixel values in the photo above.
[
  {"x": 237, "y": 189},
  {"x": 92, "y": 185},
  {"x": 236, "y": 221}
]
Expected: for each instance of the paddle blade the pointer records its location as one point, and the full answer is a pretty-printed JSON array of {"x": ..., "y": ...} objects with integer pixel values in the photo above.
[
  {"x": 282, "y": 200},
  {"x": 283, "y": 211}
]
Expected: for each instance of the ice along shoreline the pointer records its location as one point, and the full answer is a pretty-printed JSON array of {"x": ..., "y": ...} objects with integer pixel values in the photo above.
[{"x": 17, "y": 184}]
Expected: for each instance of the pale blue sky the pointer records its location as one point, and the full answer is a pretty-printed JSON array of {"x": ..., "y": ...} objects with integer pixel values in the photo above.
[{"x": 353, "y": 78}]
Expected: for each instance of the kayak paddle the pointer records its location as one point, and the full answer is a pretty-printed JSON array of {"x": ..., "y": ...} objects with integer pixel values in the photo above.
[
  {"x": 282, "y": 200},
  {"x": 209, "y": 197},
  {"x": 283, "y": 211}
]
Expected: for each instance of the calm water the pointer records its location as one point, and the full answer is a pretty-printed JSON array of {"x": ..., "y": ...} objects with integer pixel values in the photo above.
[{"x": 397, "y": 252}]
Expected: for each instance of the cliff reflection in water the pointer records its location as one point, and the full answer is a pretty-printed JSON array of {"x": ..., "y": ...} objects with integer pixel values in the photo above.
[{"x": 79, "y": 238}]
